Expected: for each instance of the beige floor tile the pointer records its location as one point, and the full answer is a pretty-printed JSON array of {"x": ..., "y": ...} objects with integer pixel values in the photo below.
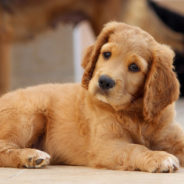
[{"x": 84, "y": 175}]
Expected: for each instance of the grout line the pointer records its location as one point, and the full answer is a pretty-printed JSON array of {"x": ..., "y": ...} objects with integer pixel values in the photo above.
[{"x": 17, "y": 174}]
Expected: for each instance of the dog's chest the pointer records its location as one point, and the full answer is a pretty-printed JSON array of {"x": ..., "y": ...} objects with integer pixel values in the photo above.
[{"x": 138, "y": 131}]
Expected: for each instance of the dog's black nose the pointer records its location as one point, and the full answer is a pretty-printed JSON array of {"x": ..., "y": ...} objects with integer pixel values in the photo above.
[{"x": 106, "y": 82}]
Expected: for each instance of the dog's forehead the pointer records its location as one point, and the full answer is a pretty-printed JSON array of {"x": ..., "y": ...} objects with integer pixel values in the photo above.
[
  {"x": 132, "y": 39},
  {"x": 132, "y": 35}
]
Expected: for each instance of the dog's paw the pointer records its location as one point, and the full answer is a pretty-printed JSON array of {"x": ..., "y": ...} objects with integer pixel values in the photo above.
[
  {"x": 32, "y": 158},
  {"x": 162, "y": 162}
]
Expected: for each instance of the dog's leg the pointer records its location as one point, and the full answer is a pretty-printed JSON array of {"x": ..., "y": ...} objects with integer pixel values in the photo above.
[
  {"x": 18, "y": 133},
  {"x": 11, "y": 155},
  {"x": 170, "y": 139},
  {"x": 114, "y": 154}
]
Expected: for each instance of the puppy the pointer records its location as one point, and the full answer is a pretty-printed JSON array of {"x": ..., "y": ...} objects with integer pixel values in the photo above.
[{"x": 122, "y": 117}]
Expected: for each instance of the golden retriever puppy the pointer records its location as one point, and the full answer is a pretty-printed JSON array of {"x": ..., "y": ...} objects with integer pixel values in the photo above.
[{"x": 122, "y": 117}]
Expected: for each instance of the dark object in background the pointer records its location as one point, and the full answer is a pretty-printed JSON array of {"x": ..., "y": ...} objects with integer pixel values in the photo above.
[
  {"x": 179, "y": 68},
  {"x": 22, "y": 20},
  {"x": 175, "y": 22}
]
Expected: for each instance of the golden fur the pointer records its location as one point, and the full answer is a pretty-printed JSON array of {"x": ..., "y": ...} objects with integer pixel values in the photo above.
[{"x": 129, "y": 127}]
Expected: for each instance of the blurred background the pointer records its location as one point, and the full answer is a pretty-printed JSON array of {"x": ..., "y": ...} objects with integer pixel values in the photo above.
[{"x": 43, "y": 41}]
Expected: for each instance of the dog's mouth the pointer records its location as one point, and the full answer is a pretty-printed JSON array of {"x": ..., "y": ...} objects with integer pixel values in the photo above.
[{"x": 102, "y": 92}]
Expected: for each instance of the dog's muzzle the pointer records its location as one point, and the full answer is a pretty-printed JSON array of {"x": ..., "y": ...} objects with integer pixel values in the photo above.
[{"x": 106, "y": 82}]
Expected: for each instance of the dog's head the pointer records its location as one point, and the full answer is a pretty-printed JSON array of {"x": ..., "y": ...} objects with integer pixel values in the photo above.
[{"x": 126, "y": 64}]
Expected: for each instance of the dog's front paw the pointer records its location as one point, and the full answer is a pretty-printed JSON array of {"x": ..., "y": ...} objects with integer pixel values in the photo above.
[
  {"x": 161, "y": 161},
  {"x": 32, "y": 158}
]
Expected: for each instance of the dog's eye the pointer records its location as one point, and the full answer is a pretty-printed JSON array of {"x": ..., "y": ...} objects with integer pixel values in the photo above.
[
  {"x": 133, "y": 68},
  {"x": 106, "y": 55}
]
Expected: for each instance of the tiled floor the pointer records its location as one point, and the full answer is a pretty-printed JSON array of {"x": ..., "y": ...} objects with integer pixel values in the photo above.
[{"x": 83, "y": 175}]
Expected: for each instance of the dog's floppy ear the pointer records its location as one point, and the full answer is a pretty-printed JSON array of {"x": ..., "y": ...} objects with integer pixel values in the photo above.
[
  {"x": 87, "y": 56},
  {"x": 92, "y": 53},
  {"x": 162, "y": 86}
]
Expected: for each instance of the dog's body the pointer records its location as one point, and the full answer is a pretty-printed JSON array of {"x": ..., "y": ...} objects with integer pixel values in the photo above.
[
  {"x": 117, "y": 119},
  {"x": 74, "y": 128},
  {"x": 65, "y": 134}
]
